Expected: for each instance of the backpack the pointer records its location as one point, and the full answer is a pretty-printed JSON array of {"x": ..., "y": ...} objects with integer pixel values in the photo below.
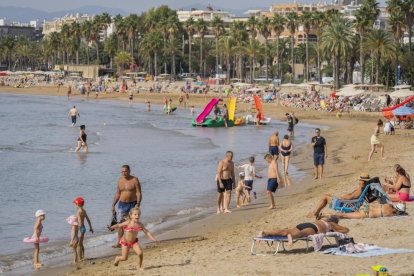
[{"x": 296, "y": 121}]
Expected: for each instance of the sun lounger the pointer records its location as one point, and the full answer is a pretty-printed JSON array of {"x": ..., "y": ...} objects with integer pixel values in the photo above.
[{"x": 282, "y": 240}]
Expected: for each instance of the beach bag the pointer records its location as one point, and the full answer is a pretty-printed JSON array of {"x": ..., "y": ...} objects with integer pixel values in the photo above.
[
  {"x": 113, "y": 220},
  {"x": 296, "y": 121}
]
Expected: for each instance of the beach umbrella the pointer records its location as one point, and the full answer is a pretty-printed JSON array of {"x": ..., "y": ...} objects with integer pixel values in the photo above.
[
  {"x": 188, "y": 79},
  {"x": 141, "y": 73},
  {"x": 403, "y": 110},
  {"x": 288, "y": 85},
  {"x": 402, "y": 93},
  {"x": 241, "y": 84},
  {"x": 201, "y": 83},
  {"x": 402, "y": 86},
  {"x": 164, "y": 74},
  {"x": 314, "y": 83},
  {"x": 253, "y": 89}
]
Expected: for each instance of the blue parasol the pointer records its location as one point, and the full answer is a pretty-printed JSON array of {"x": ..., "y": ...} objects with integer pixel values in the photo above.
[
  {"x": 402, "y": 111},
  {"x": 201, "y": 83}
]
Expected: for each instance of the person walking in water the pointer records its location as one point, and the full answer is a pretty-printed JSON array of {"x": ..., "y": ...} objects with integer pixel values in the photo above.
[
  {"x": 73, "y": 112},
  {"x": 320, "y": 152},
  {"x": 128, "y": 194},
  {"x": 82, "y": 139},
  {"x": 285, "y": 147},
  {"x": 375, "y": 142},
  {"x": 274, "y": 145},
  {"x": 131, "y": 96},
  {"x": 225, "y": 182},
  {"x": 69, "y": 93}
]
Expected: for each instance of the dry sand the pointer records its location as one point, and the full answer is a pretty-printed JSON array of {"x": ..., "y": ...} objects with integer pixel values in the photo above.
[{"x": 221, "y": 244}]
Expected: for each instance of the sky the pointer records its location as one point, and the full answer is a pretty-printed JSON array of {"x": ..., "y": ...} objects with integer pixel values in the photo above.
[{"x": 135, "y": 6}]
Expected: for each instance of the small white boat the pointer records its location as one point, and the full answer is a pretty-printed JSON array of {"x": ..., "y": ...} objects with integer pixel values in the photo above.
[{"x": 252, "y": 120}]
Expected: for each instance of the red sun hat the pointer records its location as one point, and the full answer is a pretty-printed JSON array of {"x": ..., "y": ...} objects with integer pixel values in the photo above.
[{"x": 79, "y": 201}]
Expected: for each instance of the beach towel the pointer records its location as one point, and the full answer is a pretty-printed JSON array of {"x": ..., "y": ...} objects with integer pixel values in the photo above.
[
  {"x": 370, "y": 251},
  {"x": 382, "y": 217},
  {"x": 318, "y": 239}
]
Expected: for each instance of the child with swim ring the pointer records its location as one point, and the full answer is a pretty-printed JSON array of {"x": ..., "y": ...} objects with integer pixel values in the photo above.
[
  {"x": 40, "y": 214},
  {"x": 131, "y": 227},
  {"x": 73, "y": 221}
]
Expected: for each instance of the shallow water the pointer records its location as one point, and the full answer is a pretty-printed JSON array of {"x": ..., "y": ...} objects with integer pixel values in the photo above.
[{"x": 175, "y": 163}]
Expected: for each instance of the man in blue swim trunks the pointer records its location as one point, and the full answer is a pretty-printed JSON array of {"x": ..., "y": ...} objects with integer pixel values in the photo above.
[
  {"x": 274, "y": 145},
  {"x": 129, "y": 196},
  {"x": 273, "y": 181}
]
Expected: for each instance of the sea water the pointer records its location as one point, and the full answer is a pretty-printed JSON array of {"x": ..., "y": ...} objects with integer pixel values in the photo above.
[{"x": 175, "y": 163}]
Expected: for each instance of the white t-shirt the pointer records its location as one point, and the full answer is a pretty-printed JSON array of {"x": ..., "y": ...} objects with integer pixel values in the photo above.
[{"x": 249, "y": 172}]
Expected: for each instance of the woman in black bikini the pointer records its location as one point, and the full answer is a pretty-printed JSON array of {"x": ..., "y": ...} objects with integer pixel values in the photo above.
[
  {"x": 307, "y": 229},
  {"x": 131, "y": 96},
  {"x": 285, "y": 148},
  {"x": 82, "y": 139}
]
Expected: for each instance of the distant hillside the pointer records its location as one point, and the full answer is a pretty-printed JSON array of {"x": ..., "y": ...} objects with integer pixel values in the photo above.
[
  {"x": 25, "y": 15},
  {"x": 237, "y": 12}
]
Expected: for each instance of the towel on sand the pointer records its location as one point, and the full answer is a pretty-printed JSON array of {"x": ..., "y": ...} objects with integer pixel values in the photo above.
[{"x": 369, "y": 251}]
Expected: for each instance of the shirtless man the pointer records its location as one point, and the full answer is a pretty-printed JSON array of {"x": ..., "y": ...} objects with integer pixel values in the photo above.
[
  {"x": 69, "y": 92},
  {"x": 73, "y": 112},
  {"x": 225, "y": 180},
  {"x": 165, "y": 104},
  {"x": 363, "y": 182},
  {"x": 186, "y": 97},
  {"x": 273, "y": 181},
  {"x": 274, "y": 145},
  {"x": 129, "y": 195}
]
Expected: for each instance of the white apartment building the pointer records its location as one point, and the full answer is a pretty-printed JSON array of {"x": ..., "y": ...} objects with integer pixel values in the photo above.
[
  {"x": 5, "y": 22},
  {"x": 208, "y": 16}
]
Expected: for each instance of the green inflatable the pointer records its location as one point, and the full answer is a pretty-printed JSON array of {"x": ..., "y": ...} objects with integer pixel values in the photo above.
[
  {"x": 173, "y": 109},
  {"x": 209, "y": 122}
]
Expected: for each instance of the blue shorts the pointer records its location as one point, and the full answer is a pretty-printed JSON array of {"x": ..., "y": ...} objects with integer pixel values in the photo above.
[
  {"x": 83, "y": 230},
  {"x": 274, "y": 150},
  {"x": 123, "y": 210},
  {"x": 272, "y": 185},
  {"x": 248, "y": 183},
  {"x": 83, "y": 92},
  {"x": 319, "y": 159}
]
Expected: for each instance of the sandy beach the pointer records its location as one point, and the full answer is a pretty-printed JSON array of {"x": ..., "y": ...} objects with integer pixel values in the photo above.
[{"x": 221, "y": 245}]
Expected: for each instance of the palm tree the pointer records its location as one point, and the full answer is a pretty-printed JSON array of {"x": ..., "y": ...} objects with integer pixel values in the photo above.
[
  {"x": 278, "y": 24},
  {"x": 218, "y": 28},
  {"x": 148, "y": 50},
  {"x": 97, "y": 27},
  {"x": 121, "y": 30},
  {"x": 229, "y": 49},
  {"x": 264, "y": 27},
  {"x": 123, "y": 58},
  {"x": 105, "y": 22},
  {"x": 54, "y": 42},
  {"x": 131, "y": 28},
  {"x": 252, "y": 24},
  {"x": 190, "y": 29},
  {"x": 397, "y": 23},
  {"x": 201, "y": 27},
  {"x": 64, "y": 34},
  {"x": 174, "y": 26},
  {"x": 173, "y": 47},
  {"x": 239, "y": 33},
  {"x": 111, "y": 46},
  {"x": 291, "y": 24},
  {"x": 156, "y": 39},
  {"x": 2, "y": 50},
  {"x": 76, "y": 32},
  {"x": 306, "y": 20},
  {"x": 317, "y": 21},
  {"x": 86, "y": 31},
  {"x": 408, "y": 8},
  {"x": 163, "y": 27},
  {"x": 72, "y": 47},
  {"x": 336, "y": 39},
  {"x": 379, "y": 43},
  {"x": 253, "y": 49},
  {"x": 25, "y": 52}
]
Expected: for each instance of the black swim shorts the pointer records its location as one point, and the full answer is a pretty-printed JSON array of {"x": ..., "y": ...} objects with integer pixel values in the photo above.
[
  {"x": 74, "y": 119},
  {"x": 227, "y": 183}
]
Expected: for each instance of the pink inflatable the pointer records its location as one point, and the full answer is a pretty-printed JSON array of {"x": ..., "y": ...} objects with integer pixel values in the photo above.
[{"x": 33, "y": 240}]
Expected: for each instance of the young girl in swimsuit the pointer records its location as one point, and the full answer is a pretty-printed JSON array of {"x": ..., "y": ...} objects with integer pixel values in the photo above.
[
  {"x": 73, "y": 221},
  {"x": 239, "y": 189},
  {"x": 285, "y": 148},
  {"x": 375, "y": 140},
  {"x": 38, "y": 227},
  {"x": 131, "y": 227}
]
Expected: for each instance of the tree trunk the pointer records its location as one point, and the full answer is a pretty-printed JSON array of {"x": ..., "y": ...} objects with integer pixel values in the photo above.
[
  {"x": 216, "y": 54},
  {"x": 362, "y": 61},
  {"x": 319, "y": 61},
  {"x": 396, "y": 62},
  {"x": 378, "y": 68},
  {"x": 132, "y": 49},
  {"x": 410, "y": 31},
  {"x": 155, "y": 64},
  {"x": 77, "y": 57},
  {"x": 266, "y": 60},
  {"x": 251, "y": 69},
  {"x": 173, "y": 64},
  {"x": 388, "y": 76},
  {"x": 307, "y": 56},
  {"x": 111, "y": 61},
  {"x": 63, "y": 57},
  {"x": 228, "y": 69},
  {"x": 201, "y": 57},
  {"x": 150, "y": 65},
  {"x": 123, "y": 45},
  {"x": 97, "y": 51},
  {"x": 254, "y": 68},
  {"x": 338, "y": 60},
  {"x": 278, "y": 60},
  {"x": 189, "y": 55},
  {"x": 87, "y": 52},
  {"x": 165, "y": 56},
  {"x": 346, "y": 70},
  {"x": 292, "y": 53}
]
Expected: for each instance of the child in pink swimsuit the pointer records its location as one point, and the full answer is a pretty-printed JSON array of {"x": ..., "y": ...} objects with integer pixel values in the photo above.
[
  {"x": 131, "y": 226},
  {"x": 40, "y": 214}
]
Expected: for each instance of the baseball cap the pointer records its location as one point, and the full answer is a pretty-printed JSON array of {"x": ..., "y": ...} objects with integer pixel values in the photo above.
[
  {"x": 242, "y": 173},
  {"x": 79, "y": 201},
  {"x": 400, "y": 207},
  {"x": 40, "y": 213}
]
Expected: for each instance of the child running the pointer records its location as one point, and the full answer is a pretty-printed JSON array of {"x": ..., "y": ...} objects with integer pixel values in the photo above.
[
  {"x": 239, "y": 189},
  {"x": 249, "y": 172},
  {"x": 40, "y": 214},
  {"x": 81, "y": 214},
  {"x": 73, "y": 221},
  {"x": 131, "y": 227}
]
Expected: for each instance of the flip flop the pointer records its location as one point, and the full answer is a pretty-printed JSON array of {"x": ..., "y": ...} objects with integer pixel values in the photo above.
[{"x": 318, "y": 216}]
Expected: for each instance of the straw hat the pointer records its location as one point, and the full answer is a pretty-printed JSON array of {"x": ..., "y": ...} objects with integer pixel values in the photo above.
[{"x": 364, "y": 177}]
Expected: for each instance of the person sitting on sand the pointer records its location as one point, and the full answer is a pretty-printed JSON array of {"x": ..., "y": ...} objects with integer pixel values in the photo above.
[
  {"x": 363, "y": 182},
  {"x": 307, "y": 229},
  {"x": 383, "y": 210},
  {"x": 401, "y": 186},
  {"x": 409, "y": 123}
]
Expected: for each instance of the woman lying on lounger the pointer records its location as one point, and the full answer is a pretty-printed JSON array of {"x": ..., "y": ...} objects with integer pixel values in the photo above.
[
  {"x": 307, "y": 229},
  {"x": 385, "y": 210}
]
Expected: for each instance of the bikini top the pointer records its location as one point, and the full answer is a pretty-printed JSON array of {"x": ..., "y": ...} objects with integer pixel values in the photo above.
[
  {"x": 40, "y": 228},
  {"x": 132, "y": 229},
  {"x": 327, "y": 226},
  {"x": 403, "y": 186}
]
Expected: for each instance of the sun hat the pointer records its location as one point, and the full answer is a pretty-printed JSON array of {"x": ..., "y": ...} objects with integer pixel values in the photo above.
[
  {"x": 400, "y": 207},
  {"x": 79, "y": 201},
  {"x": 242, "y": 174},
  {"x": 40, "y": 213},
  {"x": 364, "y": 176},
  {"x": 72, "y": 220}
]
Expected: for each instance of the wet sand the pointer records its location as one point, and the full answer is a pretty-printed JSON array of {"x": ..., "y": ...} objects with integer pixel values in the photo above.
[{"x": 221, "y": 245}]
